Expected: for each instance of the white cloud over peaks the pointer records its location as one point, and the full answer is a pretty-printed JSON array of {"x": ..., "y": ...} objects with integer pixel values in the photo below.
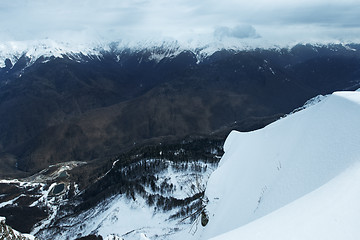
[
  {"x": 239, "y": 31},
  {"x": 184, "y": 20}
]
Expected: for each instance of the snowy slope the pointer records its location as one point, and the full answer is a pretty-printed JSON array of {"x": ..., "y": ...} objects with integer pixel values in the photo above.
[
  {"x": 330, "y": 212},
  {"x": 309, "y": 160}
]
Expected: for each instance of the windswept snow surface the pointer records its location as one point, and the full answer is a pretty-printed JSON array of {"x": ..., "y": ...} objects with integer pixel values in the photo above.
[
  {"x": 330, "y": 212},
  {"x": 297, "y": 178}
]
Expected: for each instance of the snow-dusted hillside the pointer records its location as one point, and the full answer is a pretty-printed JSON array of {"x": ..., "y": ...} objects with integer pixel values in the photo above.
[
  {"x": 130, "y": 218},
  {"x": 8, "y": 233},
  {"x": 297, "y": 178},
  {"x": 152, "y": 191}
]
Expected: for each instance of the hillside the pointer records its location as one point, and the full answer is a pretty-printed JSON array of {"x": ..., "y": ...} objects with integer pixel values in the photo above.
[
  {"x": 77, "y": 107},
  {"x": 8, "y": 233}
]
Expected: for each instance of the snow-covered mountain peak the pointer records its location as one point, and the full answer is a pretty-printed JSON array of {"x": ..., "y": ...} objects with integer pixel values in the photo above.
[
  {"x": 156, "y": 48},
  {"x": 33, "y": 50},
  {"x": 47, "y": 48}
]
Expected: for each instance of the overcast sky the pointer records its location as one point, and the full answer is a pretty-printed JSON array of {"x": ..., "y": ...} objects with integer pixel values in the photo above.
[{"x": 274, "y": 21}]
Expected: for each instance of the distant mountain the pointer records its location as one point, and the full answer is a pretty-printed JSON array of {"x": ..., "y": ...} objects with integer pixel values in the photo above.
[
  {"x": 297, "y": 178},
  {"x": 92, "y": 105}
]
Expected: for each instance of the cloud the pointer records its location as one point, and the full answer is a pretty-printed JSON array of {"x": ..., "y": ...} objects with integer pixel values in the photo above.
[
  {"x": 331, "y": 15},
  {"x": 92, "y": 20},
  {"x": 239, "y": 31}
]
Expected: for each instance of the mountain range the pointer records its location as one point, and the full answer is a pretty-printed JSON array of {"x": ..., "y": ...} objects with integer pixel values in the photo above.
[
  {"x": 91, "y": 107},
  {"x": 89, "y": 137}
]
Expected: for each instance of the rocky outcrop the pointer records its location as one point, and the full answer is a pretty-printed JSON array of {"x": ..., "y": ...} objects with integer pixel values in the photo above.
[{"x": 7, "y": 233}]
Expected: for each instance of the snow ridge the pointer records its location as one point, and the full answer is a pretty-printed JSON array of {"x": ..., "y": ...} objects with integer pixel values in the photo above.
[
  {"x": 33, "y": 50},
  {"x": 299, "y": 173},
  {"x": 158, "y": 49}
]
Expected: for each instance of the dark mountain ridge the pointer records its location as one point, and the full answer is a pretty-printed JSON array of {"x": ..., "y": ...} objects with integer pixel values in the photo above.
[{"x": 92, "y": 108}]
